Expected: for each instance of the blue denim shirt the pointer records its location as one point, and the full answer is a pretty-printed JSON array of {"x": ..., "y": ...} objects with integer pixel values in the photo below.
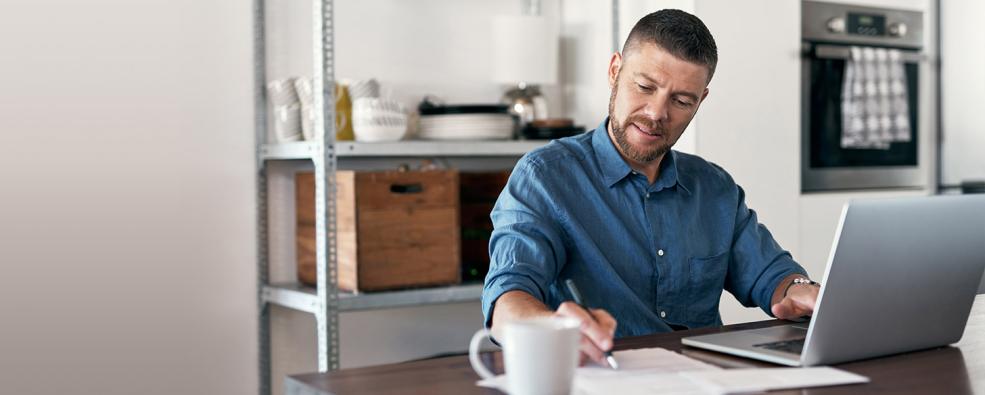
[{"x": 651, "y": 255}]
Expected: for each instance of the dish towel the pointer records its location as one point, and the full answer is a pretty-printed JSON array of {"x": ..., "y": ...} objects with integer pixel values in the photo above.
[{"x": 875, "y": 110}]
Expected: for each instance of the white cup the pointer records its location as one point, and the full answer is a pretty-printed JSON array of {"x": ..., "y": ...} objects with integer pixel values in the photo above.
[
  {"x": 540, "y": 355},
  {"x": 308, "y": 115},
  {"x": 287, "y": 123},
  {"x": 302, "y": 88}
]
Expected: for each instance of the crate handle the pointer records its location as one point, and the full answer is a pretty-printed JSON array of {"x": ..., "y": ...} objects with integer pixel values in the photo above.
[{"x": 407, "y": 188}]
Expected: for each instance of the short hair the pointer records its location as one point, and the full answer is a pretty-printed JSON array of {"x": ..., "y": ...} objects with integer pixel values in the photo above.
[{"x": 677, "y": 32}]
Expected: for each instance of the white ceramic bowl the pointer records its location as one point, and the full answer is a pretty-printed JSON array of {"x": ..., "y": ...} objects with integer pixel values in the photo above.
[
  {"x": 376, "y": 120},
  {"x": 371, "y": 106},
  {"x": 378, "y": 133}
]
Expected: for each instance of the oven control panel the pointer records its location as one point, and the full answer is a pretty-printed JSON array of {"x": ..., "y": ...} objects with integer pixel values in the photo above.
[
  {"x": 858, "y": 25},
  {"x": 866, "y": 25}
]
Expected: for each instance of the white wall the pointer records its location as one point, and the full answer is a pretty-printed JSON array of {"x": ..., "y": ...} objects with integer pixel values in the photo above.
[
  {"x": 444, "y": 50},
  {"x": 963, "y": 84},
  {"x": 126, "y": 182}
]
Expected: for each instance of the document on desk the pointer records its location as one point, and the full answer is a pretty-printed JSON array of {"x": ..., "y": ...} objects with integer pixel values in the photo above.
[
  {"x": 657, "y": 370},
  {"x": 643, "y": 361},
  {"x": 737, "y": 381},
  {"x": 641, "y": 371}
]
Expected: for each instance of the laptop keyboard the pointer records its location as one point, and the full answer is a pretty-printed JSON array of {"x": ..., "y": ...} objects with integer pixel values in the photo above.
[{"x": 795, "y": 346}]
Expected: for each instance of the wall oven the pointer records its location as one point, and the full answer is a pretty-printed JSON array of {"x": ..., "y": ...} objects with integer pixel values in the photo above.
[{"x": 860, "y": 100}]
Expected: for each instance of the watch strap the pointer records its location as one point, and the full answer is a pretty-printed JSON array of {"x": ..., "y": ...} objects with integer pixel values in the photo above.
[{"x": 800, "y": 280}]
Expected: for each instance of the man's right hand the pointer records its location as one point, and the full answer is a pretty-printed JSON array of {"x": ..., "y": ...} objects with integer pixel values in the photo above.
[{"x": 596, "y": 334}]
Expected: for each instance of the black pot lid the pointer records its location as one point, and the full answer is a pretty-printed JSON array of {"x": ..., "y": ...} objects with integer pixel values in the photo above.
[{"x": 431, "y": 109}]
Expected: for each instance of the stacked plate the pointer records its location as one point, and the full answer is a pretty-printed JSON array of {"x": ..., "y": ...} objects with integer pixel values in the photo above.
[{"x": 468, "y": 122}]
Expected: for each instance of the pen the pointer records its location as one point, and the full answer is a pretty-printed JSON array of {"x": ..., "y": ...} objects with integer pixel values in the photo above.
[{"x": 573, "y": 290}]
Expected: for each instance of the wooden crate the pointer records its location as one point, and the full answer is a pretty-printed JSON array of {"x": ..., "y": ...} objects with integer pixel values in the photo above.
[{"x": 395, "y": 229}]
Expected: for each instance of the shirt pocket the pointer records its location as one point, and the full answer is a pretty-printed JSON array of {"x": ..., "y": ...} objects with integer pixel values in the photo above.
[{"x": 705, "y": 284}]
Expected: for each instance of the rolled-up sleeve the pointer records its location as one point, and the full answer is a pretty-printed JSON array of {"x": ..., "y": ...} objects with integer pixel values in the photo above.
[
  {"x": 758, "y": 263},
  {"x": 526, "y": 250}
]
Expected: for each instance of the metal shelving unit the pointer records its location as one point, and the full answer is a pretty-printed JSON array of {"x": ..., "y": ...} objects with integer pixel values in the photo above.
[{"x": 325, "y": 301}]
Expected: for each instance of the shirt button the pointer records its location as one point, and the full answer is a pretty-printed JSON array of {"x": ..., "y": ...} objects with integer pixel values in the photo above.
[
  {"x": 663, "y": 314},
  {"x": 648, "y": 195},
  {"x": 660, "y": 252}
]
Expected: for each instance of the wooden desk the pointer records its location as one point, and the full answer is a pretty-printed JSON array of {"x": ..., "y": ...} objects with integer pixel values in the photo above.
[{"x": 958, "y": 369}]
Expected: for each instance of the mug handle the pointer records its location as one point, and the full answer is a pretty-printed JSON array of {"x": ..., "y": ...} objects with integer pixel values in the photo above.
[{"x": 477, "y": 364}]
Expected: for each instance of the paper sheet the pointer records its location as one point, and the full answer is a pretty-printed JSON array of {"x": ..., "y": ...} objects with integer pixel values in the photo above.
[
  {"x": 645, "y": 361},
  {"x": 641, "y": 371},
  {"x": 735, "y": 381},
  {"x": 657, "y": 370}
]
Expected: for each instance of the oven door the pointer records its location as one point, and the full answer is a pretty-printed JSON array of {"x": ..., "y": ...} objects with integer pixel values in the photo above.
[{"x": 825, "y": 165}]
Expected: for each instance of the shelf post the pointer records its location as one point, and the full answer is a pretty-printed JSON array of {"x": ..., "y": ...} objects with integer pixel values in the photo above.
[
  {"x": 260, "y": 139},
  {"x": 323, "y": 83}
]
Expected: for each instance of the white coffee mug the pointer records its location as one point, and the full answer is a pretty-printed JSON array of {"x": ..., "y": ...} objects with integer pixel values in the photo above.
[
  {"x": 540, "y": 354},
  {"x": 287, "y": 123}
]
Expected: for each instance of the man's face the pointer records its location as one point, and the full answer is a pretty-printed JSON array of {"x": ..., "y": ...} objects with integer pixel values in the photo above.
[{"x": 654, "y": 97}]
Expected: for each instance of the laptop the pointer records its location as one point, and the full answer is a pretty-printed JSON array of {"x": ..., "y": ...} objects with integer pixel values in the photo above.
[{"x": 902, "y": 276}]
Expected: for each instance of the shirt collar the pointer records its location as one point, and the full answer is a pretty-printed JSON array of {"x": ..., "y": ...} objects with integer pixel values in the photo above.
[{"x": 614, "y": 168}]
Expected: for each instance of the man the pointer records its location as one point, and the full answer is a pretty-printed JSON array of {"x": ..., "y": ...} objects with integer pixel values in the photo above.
[{"x": 651, "y": 236}]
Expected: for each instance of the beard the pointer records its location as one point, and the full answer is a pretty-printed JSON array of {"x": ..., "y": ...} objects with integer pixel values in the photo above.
[{"x": 640, "y": 155}]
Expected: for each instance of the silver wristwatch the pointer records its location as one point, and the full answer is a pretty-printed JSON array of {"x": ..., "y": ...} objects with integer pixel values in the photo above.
[{"x": 800, "y": 280}]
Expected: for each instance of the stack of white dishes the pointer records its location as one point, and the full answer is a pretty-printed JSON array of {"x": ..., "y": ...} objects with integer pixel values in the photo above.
[
  {"x": 377, "y": 120},
  {"x": 286, "y": 110},
  {"x": 373, "y": 119},
  {"x": 471, "y": 122},
  {"x": 302, "y": 86}
]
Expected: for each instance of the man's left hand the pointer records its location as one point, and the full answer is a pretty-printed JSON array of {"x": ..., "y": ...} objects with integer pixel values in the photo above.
[{"x": 798, "y": 302}]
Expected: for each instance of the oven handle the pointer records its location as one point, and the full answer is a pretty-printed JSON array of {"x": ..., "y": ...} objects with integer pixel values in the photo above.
[{"x": 839, "y": 52}]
